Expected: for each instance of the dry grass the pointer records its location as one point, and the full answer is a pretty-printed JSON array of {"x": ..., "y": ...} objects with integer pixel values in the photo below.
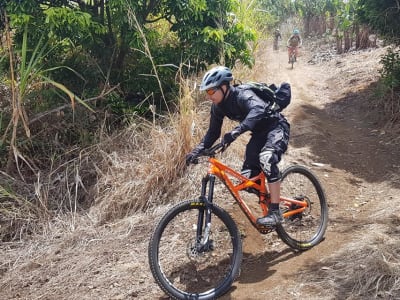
[
  {"x": 368, "y": 268},
  {"x": 18, "y": 215},
  {"x": 26, "y": 204},
  {"x": 146, "y": 161}
]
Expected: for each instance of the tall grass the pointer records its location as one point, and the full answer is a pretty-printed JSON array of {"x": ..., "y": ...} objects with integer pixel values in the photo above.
[
  {"x": 26, "y": 75},
  {"x": 19, "y": 216},
  {"x": 25, "y": 192},
  {"x": 146, "y": 160}
]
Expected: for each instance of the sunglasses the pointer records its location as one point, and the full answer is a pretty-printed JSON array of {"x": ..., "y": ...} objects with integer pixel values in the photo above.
[{"x": 211, "y": 91}]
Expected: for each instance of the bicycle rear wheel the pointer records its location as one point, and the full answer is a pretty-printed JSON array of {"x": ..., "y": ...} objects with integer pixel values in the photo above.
[
  {"x": 183, "y": 269},
  {"x": 306, "y": 229},
  {"x": 292, "y": 60}
]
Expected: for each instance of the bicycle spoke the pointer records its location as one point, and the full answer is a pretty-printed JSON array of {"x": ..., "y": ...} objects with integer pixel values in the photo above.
[
  {"x": 191, "y": 267},
  {"x": 307, "y": 228}
]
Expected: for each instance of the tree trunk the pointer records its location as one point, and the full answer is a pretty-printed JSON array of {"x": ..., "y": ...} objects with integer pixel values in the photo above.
[
  {"x": 307, "y": 21},
  {"x": 364, "y": 37},
  {"x": 357, "y": 35},
  {"x": 347, "y": 41},
  {"x": 339, "y": 44}
]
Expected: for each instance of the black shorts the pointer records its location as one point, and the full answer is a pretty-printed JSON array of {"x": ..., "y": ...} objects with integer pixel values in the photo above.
[{"x": 276, "y": 138}]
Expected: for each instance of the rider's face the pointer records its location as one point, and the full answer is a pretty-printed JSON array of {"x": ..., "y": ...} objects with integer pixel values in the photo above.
[{"x": 216, "y": 95}]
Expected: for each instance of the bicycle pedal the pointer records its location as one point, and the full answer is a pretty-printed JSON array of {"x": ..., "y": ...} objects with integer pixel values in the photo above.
[
  {"x": 269, "y": 227},
  {"x": 265, "y": 229},
  {"x": 266, "y": 226}
]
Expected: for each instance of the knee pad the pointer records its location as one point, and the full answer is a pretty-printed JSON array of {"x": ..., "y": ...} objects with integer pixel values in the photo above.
[
  {"x": 268, "y": 161},
  {"x": 267, "y": 158}
]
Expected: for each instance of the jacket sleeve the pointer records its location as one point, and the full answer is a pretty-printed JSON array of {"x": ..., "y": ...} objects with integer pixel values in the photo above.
[
  {"x": 214, "y": 129},
  {"x": 255, "y": 110}
]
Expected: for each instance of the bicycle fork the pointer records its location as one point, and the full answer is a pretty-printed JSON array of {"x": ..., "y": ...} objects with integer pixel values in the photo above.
[{"x": 203, "y": 241}]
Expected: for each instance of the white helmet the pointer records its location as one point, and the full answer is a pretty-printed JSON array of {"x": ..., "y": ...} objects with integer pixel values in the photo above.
[{"x": 216, "y": 77}]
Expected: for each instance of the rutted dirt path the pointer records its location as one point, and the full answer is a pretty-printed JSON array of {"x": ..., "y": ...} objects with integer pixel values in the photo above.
[{"x": 334, "y": 132}]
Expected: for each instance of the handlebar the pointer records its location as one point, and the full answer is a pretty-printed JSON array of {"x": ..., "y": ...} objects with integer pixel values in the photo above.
[{"x": 211, "y": 152}]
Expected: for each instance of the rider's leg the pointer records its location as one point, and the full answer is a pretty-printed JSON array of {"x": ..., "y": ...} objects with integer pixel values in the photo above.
[
  {"x": 275, "y": 191},
  {"x": 274, "y": 215},
  {"x": 251, "y": 165},
  {"x": 270, "y": 156},
  {"x": 269, "y": 159}
]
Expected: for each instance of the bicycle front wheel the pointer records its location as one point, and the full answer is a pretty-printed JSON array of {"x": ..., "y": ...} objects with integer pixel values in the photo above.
[
  {"x": 306, "y": 229},
  {"x": 188, "y": 266}
]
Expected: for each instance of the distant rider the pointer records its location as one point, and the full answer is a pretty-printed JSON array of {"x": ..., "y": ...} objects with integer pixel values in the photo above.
[
  {"x": 277, "y": 37},
  {"x": 293, "y": 43}
]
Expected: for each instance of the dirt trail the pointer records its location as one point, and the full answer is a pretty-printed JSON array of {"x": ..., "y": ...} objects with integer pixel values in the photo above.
[{"x": 331, "y": 125}]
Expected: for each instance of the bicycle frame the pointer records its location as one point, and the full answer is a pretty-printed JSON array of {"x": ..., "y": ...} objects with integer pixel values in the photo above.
[
  {"x": 209, "y": 253},
  {"x": 222, "y": 171},
  {"x": 293, "y": 50}
]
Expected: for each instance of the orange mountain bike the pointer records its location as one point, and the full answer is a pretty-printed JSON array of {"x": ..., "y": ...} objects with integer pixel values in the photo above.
[{"x": 195, "y": 251}]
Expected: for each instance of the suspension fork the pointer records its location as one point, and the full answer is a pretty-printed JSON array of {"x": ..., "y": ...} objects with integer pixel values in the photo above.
[{"x": 204, "y": 217}]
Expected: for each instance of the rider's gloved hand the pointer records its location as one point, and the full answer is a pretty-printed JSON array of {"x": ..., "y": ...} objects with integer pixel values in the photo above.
[
  {"x": 228, "y": 138},
  {"x": 191, "y": 158}
]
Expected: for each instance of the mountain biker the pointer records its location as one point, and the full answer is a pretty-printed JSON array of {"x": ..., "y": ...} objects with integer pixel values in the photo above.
[
  {"x": 277, "y": 36},
  {"x": 269, "y": 132},
  {"x": 294, "y": 42}
]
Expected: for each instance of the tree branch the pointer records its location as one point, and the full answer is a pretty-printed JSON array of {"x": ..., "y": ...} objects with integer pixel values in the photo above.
[{"x": 57, "y": 109}]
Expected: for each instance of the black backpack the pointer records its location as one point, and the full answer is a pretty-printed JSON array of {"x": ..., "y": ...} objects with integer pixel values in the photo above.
[{"x": 279, "y": 97}]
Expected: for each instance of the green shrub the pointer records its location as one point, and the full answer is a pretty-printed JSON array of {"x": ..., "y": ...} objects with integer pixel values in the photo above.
[{"x": 391, "y": 69}]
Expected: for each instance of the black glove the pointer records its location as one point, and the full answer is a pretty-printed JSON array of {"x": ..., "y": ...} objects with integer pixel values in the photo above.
[
  {"x": 191, "y": 158},
  {"x": 228, "y": 138}
]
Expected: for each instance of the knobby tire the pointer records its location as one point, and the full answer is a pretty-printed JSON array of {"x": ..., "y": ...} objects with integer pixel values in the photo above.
[
  {"x": 306, "y": 229},
  {"x": 179, "y": 269}
]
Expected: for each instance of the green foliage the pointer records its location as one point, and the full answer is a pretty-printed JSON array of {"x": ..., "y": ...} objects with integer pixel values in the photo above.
[
  {"x": 61, "y": 28},
  {"x": 311, "y": 8},
  {"x": 345, "y": 13},
  {"x": 31, "y": 71},
  {"x": 391, "y": 69},
  {"x": 28, "y": 74},
  {"x": 72, "y": 24},
  {"x": 277, "y": 11},
  {"x": 253, "y": 14},
  {"x": 210, "y": 32},
  {"x": 199, "y": 32},
  {"x": 383, "y": 16},
  {"x": 97, "y": 40},
  {"x": 126, "y": 106}
]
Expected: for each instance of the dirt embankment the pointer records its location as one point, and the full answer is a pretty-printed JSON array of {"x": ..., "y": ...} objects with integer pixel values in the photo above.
[{"x": 333, "y": 125}]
